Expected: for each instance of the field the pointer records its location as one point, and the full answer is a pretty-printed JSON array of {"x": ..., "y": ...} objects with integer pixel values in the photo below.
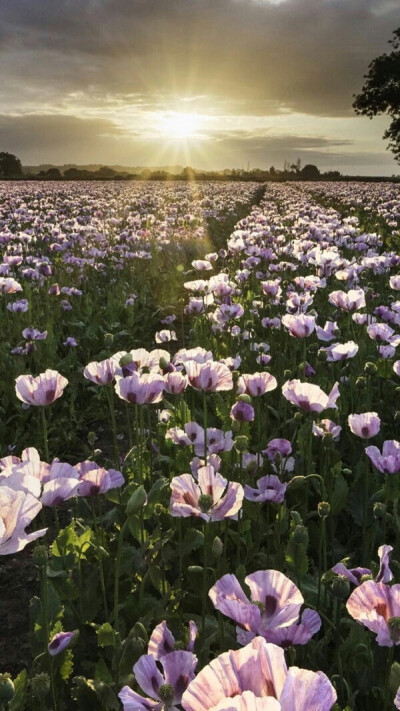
[{"x": 200, "y": 446}]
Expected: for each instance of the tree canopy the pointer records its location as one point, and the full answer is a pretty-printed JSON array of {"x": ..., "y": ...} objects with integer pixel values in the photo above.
[
  {"x": 10, "y": 166},
  {"x": 381, "y": 92}
]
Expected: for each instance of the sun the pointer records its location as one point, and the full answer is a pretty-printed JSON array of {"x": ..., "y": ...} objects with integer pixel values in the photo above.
[{"x": 180, "y": 126}]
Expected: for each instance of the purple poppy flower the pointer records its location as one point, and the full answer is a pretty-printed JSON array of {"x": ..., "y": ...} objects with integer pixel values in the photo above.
[
  {"x": 396, "y": 367},
  {"x": 242, "y": 412},
  {"x": 326, "y": 427},
  {"x": 256, "y": 678},
  {"x": 70, "y": 342},
  {"x": 280, "y": 447},
  {"x": 327, "y": 333},
  {"x": 340, "y": 351},
  {"x": 162, "y": 641},
  {"x": 54, "y": 290},
  {"x": 140, "y": 389},
  {"x": 365, "y": 425},
  {"x": 380, "y": 332},
  {"x": 32, "y": 334},
  {"x": 20, "y": 306},
  {"x": 350, "y": 301},
  {"x": 269, "y": 488},
  {"x": 211, "y": 498},
  {"x": 59, "y": 642},
  {"x": 167, "y": 688},
  {"x": 374, "y": 605},
  {"x": 165, "y": 336},
  {"x": 175, "y": 383},
  {"x": 275, "y": 603},
  {"x": 211, "y": 376},
  {"x": 389, "y": 461}
]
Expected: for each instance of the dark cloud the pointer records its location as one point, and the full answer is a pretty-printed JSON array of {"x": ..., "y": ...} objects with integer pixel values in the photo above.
[{"x": 304, "y": 55}]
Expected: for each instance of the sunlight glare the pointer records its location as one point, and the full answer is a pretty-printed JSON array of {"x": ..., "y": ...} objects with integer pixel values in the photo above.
[{"x": 180, "y": 126}]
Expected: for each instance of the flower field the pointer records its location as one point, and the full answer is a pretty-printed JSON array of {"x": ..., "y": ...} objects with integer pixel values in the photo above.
[{"x": 200, "y": 446}]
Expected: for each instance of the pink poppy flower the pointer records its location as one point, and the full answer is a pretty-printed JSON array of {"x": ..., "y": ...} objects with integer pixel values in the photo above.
[
  {"x": 211, "y": 376},
  {"x": 256, "y": 384},
  {"x": 256, "y": 678},
  {"x": 365, "y": 425},
  {"x": 389, "y": 461},
  {"x": 8, "y": 285},
  {"x": 100, "y": 373},
  {"x": 162, "y": 641},
  {"x": 275, "y": 604},
  {"x": 211, "y": 498},
  {"x": 327, "y": 333},
  {"x": 17, "y": 511},
  {"x": 374, "y": 605},
  {"x": 310, "y": 397},
  {"x": 42, "y": 390},
  {"x": 200, "y": 355},
  {"x": 165, "y": 336},
  {"x": 269, "y": 488},
  {"x": 140, "y": 389},
  {"x": 95, "y": 480},
  {"x": 178, "y": 670},
  {"x": 242, "y": 411}
]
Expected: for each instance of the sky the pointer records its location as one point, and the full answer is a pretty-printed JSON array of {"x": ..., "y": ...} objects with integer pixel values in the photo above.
[{"x": 209, "y": 83}]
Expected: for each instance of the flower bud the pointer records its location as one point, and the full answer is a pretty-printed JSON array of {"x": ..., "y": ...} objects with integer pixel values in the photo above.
[
  {"x": 361, "y": 382},
  {"x": 347, "y": 471},
  {"x": 92, "y": 438},
  {"x": 40, "y": 556},
  {"x": 108, "y": 339},
  {"x": 327, "y": 440},
  {"x": 217, "y": 547},
  {"x": 6, "y": 688},
  {"x": 370, "y": 368},
  {"x": 137, "y": 500},
  {"x": 241, "y": 443},
  {"x": 300, "y": 535},
  {"x": 245, "y": 398},
  {"x": 324, "y": 509},
  {"x": 298, "y": 416},
  {"x": 397, "y": 416},
  {"x": 340, "y": 587},
  {"x": 366, "y": 577},
  {"x": 287, "y": 374},
  {"x": 379, "y": 510},
  {"x": 40, "y": 685}
]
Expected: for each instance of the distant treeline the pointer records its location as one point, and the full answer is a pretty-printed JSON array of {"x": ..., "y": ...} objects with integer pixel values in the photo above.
[{"x": 11, "y": 169}]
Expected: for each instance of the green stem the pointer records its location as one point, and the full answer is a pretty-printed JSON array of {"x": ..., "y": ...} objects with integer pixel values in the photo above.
[
  {"x": 45, "y": 435},
  {"x": 116, "y": 575},
  {"x": 98, "y": 544},
  {"x": 204, "y": 600},
  {"x": 110, "y": 396}
]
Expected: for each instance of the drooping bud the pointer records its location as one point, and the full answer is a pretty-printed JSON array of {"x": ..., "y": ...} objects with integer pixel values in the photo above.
[
  {"x": 340, "y": 587},
  {"x": 137, "y": 500},
  {"x": 217, "y": 547},
  {"x": 40, "y": 556},
  {"x": 6, "y": 688},
  {"x": 324, "y": 509}
]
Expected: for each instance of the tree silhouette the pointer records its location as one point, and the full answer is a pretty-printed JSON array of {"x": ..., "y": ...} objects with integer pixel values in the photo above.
[
  {"x": 381, "y": 92},
  {"x": 10, "y": 166}
]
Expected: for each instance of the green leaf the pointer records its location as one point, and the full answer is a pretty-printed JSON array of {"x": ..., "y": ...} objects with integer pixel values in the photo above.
[
  {"x": 339, "y": 495},
  {"x": 67, "y": 664},
  {"x": 102, "y": 672},
  {"x": 18, "y": 701},
  {"x": 105, "y": 635}
]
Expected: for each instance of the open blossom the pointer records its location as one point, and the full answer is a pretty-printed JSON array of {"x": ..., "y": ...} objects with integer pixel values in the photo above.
[
  {"x": 32, "y": 334},
  {"x": 269, "y": 488},
  {"x": 365, "y": 425},
  {"x": 299, "y": 326},
  {"x": 20, "y": 306},
  {"x": 101, "y": 373},
  {"x": 95, "y": 480},
  {"x": 211, "y": 498},
  {"x": 164, "y": 690},
  {"x": 354, "y": 575},
  {"x": 175, "y": 383},
  {"x": 59, "y": 642},
  {"x": 242, "y": 411},
  {"x": 340, "y": 351},
  {"x": 310, "y": 397},
  {"x": 17, "y": 511},
  {"x": 389, "y": 461},
  {"x": 140, "y": 389},
  {"x": 8, "y": 285},
  {"x": 350, "y": 301},
  {"x": 256, "y": 678},
  {"x": 275, "y": 604},
  {"x": 210, "y": 376},
  {"x": 256, "y": 384},
  {"x": 374, "y": 605},
  {"x": 42, "y": 390},
  {"x": 327, "y": 333},
  {"x": 165, "y": 336},
  {"x": 162, "y": 641}
]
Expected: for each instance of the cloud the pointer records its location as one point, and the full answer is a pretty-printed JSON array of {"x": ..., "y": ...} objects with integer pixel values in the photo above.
[{"x": 256, "y": 55}]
